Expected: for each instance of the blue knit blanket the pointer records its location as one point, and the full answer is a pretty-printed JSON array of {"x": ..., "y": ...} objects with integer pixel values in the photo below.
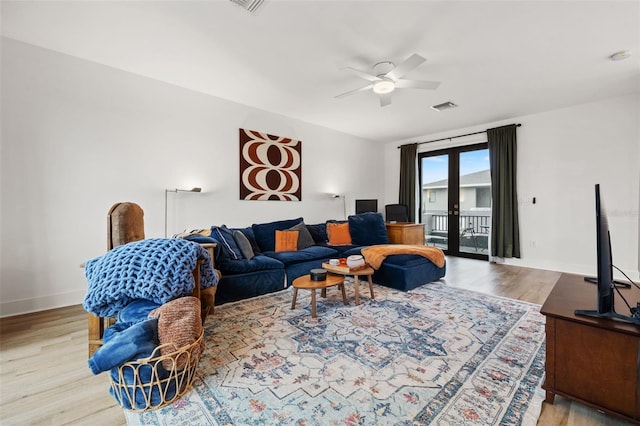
[{"x": 155, "y": 269}]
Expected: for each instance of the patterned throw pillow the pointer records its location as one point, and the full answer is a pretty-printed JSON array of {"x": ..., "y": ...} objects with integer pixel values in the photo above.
[
  {"x": 286, "y": 241},
  {"x": 338, "y": 234}
]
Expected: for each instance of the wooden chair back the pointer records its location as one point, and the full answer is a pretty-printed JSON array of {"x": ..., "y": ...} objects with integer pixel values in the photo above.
[{"x": 125, "y": 224}]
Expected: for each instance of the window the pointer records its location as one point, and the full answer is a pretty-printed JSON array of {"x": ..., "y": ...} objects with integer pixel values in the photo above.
[
  {"x": 432, "y": 196},
  {"x": 483, "y": 197}
]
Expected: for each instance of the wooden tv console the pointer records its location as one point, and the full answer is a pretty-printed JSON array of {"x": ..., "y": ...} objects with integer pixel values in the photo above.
[{"x": 591, "y": 360}]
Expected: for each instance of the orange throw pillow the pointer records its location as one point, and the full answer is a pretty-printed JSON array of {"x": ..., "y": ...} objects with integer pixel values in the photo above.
[
  {"x": 287, "y": 241},
  {"x": 338, "y": 234}
]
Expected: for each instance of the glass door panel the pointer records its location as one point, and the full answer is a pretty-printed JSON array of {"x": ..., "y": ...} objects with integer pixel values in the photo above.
[
  {"x": 455, "y": 200},
  {"x": 435, "y": 200},
  {"x": 475, "y": 201}
]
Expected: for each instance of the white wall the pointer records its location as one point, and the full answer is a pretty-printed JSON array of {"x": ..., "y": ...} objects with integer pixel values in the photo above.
[
  {"x": 561, "y": 155},
  {"x": 78, "y": 137}
]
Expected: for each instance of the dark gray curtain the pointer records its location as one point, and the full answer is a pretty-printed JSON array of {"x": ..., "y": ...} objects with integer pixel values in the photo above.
[
  {"x": 505, "y": 233},
  {"x": 407, "y": 193}
]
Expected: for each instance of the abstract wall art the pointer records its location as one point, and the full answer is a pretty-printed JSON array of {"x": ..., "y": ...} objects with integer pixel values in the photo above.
[{"x": 270, "y": 167}]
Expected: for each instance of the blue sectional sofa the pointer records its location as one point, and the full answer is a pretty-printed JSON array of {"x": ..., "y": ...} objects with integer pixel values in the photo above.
[{"x": 251, "y": 266}]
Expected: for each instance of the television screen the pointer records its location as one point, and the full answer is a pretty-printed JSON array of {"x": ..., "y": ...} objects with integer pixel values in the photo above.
[
  {"x": 603, "y": 254},
  {"x": 604, "y": 280},
  {"x": 364, "y": 206}
]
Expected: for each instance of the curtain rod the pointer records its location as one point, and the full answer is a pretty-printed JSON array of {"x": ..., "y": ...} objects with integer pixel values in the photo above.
[{"x": 455, "y": 137}]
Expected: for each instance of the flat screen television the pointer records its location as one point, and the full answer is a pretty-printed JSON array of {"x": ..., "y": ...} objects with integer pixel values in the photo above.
[
  {"x": 364, "y": 206},
  {"x": 604, "y": 281}
]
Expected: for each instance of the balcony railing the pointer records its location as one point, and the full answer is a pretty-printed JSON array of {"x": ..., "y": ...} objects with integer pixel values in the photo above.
[
  {"x": 479, "y": 224},
  {"x": 474, "y": 230}
]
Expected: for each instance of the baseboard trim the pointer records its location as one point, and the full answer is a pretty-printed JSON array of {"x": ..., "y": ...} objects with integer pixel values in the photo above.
[
  {"x": 578, "y": 269},
  {"x": 36, "y": 304}
]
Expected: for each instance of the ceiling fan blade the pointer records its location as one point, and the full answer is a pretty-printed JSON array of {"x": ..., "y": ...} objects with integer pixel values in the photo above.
[
  {"x": 385, "y": 99},
  {"x": 351, "y": 92},
  {"x": 406, "y": 66},
  {"x": 363, "y": 74},
  {"x": 417, "y": 84}
]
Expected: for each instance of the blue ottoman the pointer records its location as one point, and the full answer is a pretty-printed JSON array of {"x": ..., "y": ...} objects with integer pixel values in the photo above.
[{"x": 407, "y": 271}]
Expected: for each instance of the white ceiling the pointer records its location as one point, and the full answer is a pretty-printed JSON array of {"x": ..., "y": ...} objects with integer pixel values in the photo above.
[{"x": 495, "y": 59}]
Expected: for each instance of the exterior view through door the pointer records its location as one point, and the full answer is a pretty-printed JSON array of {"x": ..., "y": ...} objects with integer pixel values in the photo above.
[{"x": 455, "y": 200}]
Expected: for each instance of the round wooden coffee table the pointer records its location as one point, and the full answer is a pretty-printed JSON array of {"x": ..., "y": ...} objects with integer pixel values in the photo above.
[{"x": 305, "y": 282}]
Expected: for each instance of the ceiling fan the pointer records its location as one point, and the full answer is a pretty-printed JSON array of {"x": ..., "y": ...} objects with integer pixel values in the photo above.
[{"x": 387, "y": 77}]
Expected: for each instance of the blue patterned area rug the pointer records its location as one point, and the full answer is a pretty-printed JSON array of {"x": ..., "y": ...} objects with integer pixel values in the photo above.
[{"x": 435, "y": 355}]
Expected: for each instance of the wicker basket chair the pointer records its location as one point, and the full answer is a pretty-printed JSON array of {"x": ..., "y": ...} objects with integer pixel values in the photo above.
[{"x": 125, "y": 224}]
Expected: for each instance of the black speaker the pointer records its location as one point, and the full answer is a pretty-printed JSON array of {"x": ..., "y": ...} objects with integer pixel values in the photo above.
[{"x": 318, "y": 274}]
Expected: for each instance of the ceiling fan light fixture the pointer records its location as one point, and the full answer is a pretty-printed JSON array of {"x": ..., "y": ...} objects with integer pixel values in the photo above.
[{"x": 382, "y": 87}]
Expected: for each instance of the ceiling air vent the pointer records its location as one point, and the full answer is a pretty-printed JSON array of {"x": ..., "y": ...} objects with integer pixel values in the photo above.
[
  {"x": 444, "y": 106},
  {"x": 251, "y": 6}
]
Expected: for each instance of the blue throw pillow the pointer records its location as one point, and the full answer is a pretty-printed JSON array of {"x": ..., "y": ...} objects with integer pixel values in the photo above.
[
  {"x": 265, "y": 233},
  {"x": 368, "y": 229},
  {"x": 229, "y": 248},
  {"x": 318, "y": 232}
]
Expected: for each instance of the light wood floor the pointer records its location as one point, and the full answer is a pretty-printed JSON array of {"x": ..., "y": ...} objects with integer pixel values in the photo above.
[{"x": 45, "y": 380}]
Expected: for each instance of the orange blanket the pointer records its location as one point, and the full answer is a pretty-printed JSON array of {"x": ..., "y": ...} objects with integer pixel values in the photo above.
[{"x": 374, "y": 255}]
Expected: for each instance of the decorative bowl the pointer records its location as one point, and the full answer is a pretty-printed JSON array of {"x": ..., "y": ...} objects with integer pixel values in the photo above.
[{"x": 355, "y": 261}]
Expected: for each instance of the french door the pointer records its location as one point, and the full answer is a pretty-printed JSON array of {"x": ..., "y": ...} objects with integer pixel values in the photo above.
[{"x": 455, "y": 199}]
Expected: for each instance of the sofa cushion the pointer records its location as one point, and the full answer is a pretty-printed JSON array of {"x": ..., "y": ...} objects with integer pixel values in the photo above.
[
  {"x": 229, "y": 249},
  {"x": 338, "y": 234},
  {"x": 407, "y": 271},
  {"x": 243, "y": 244},
  {"x": 304, "y": 255},
  {"x": 304, "y": 236},
  {"x": 318, "y": 233},
  {"x": 344, "y": 250},
  {"x": 243, "y": 286},
  {"x": 265, "y": 233},
  {"x": 256, "y": 263},
  {"x": 368, "y": 229},
  {"x": 351, "y": 250},
  {"x": 286, "y": 240}
]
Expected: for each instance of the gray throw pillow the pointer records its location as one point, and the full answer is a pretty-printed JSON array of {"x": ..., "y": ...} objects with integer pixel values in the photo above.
[
  {"x": 243, "y": 244},
  {"x": 304, "y": 236}
]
